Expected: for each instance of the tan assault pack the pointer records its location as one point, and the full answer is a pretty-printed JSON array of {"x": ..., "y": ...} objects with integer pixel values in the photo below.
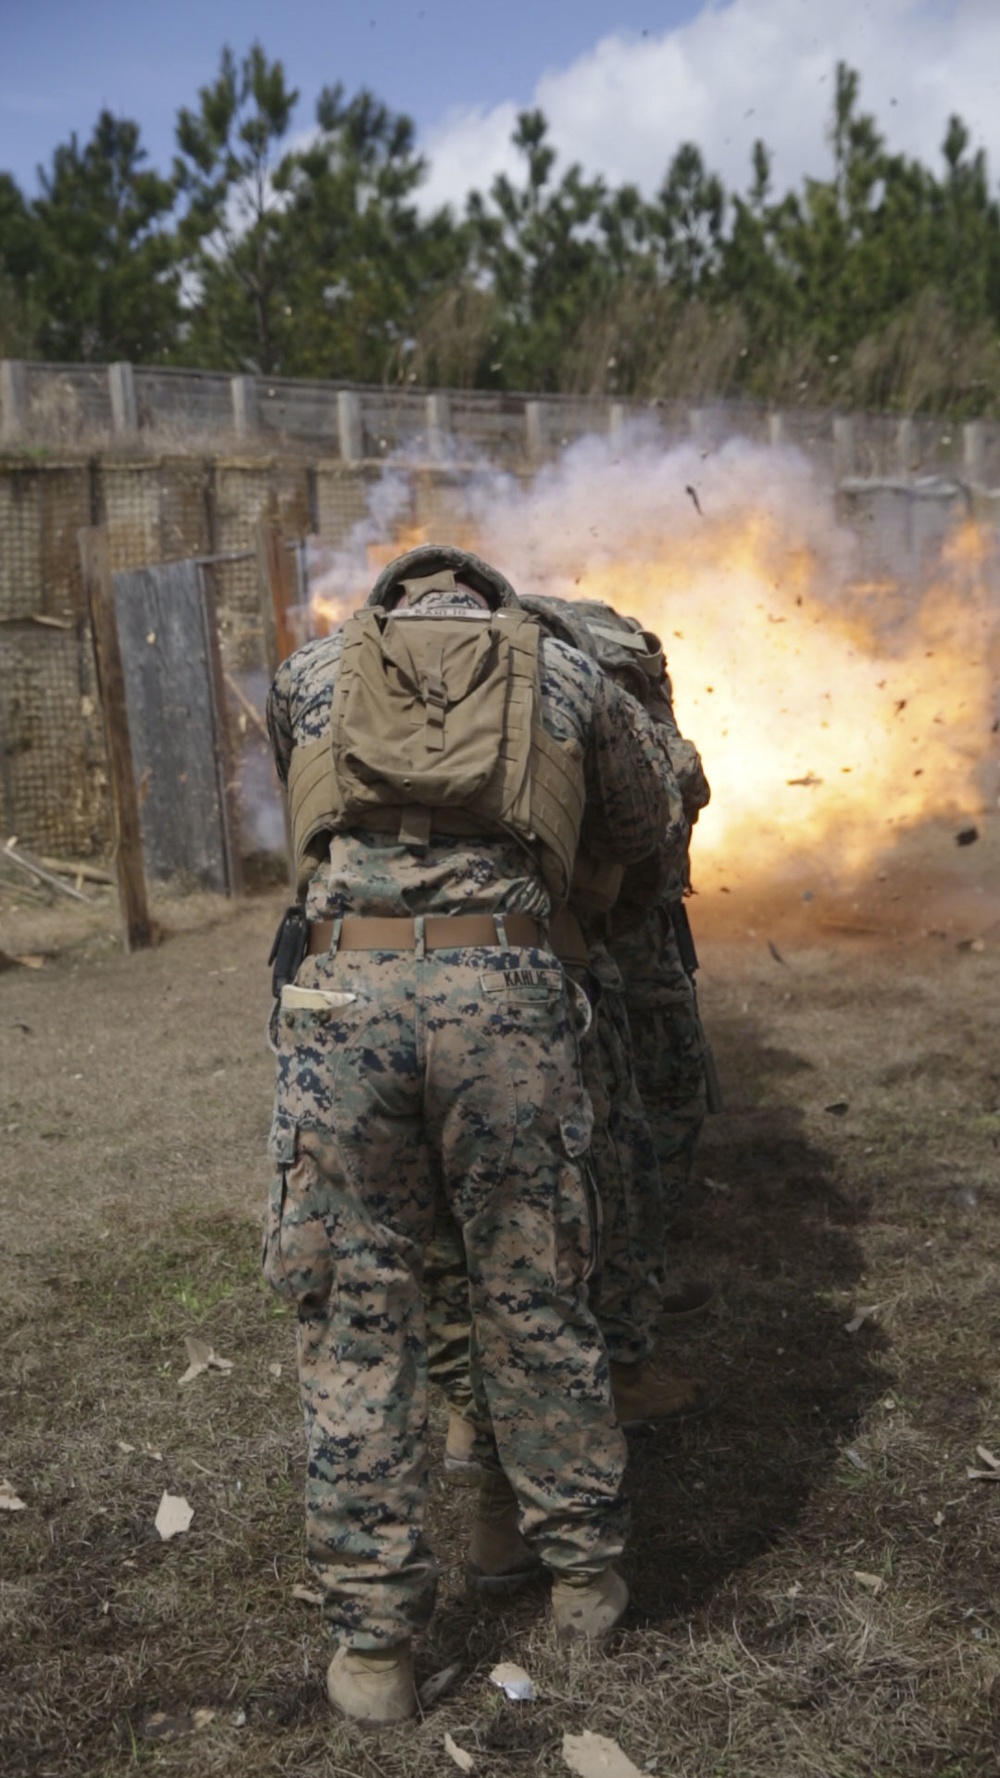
[{"x": 435, "y": 726}]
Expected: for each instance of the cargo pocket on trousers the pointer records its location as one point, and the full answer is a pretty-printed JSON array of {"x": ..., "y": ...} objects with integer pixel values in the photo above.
[{"x": 297, "y": 1261}]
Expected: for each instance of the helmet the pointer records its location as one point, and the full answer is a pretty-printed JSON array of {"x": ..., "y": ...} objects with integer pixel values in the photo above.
[{"x": 431, "y": 558}]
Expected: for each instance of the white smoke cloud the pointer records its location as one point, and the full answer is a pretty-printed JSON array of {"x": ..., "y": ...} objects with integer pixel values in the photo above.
[
  {"x": 833, "y": 712},
  {"x": 742, "y": 70}
]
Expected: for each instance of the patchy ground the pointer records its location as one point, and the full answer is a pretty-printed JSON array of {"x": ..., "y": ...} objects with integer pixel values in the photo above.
[{"x": 814, "y": 1574}]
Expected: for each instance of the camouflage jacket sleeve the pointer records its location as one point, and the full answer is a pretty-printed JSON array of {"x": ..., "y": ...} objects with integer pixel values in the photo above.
[
  {"x": 630, "y": 787},
  {"x": 298, "y": 704},
  {"x": 665, "y": 871},
  {"x": 279, "y": 720},
  {"x": 684, "y": 755}
]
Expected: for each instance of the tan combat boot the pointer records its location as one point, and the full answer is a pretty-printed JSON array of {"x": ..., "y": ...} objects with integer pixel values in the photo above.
[
  {"x": 588, "y": 1607},
  {"x": 499, "y": 1559},
  {"x": 644, "y": 1397},
  {"x": 459, "y": 1464},
  {"x": 373, "y": 1685}
]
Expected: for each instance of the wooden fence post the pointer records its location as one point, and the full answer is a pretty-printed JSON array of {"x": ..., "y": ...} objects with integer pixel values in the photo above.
[
  {"x": 13, "y": 399},
  {"x": 129, "y": 867},
  {"x": 277, "y": 593}
]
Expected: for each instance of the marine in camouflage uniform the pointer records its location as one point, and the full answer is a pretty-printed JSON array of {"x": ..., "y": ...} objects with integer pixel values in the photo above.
[
  {"x": 668, "y": 1038},
  {"x": 628, "y": 1290},
  {"x": 421, "y": 1080}
]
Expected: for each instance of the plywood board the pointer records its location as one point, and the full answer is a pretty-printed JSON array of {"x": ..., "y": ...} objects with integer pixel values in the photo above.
[{"x": 164, "y": 625}]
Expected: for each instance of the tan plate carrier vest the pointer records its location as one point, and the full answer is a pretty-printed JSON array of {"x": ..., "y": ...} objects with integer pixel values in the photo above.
[{"x": 435, "y": 727}]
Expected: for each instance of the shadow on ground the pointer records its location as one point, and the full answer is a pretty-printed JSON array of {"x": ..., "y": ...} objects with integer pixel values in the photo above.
[{"x": 775, "y": 1223}]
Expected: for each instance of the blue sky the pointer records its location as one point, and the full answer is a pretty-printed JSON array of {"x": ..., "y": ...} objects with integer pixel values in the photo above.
[
  {"x": 622, "y": 83},
  {"x": 61, "y": 60}
]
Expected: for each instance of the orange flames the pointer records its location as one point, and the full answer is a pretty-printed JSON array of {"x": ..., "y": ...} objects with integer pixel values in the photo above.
[
  {"x": 826, "y": 722},
  {"x": 830, "y": 714}
]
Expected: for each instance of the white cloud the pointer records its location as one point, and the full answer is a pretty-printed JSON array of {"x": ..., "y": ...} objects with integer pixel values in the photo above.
[{"x": 742, "y": 70}]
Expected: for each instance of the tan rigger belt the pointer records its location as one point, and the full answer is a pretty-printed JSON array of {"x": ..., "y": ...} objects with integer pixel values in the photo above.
[{"x": 442, "y": 932}]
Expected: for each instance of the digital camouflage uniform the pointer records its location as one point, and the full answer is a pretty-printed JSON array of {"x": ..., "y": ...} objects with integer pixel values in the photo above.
[
  {"x": 667, "y": 1035},
  {"x": 448, "y": 1080},
  {"x": 627, "y": 1289}
]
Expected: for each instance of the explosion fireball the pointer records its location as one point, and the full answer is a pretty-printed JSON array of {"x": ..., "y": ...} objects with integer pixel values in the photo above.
[{"x": 832, "y": 712}]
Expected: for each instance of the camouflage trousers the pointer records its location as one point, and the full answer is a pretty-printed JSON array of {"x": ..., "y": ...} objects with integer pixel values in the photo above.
[
  {"x": 629, "y": 1285},
  {"x": 626, "y": 1290},
  {"x": 451, "y": 1081},
  {"x": 669, "y": 1047}
]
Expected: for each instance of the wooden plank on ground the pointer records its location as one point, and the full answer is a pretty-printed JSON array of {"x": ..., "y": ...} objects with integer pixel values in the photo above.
[{"x": 129, "y": 862}]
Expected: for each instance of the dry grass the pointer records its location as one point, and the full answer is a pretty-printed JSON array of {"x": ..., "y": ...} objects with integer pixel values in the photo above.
[{"x": 129, "y": 1201}]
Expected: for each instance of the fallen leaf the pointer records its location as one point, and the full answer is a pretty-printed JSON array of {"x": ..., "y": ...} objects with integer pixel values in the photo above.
[
  {"x": 9, "y": 1501},
  {"x": 974, "y": 1475},
  {"x": 855, "y": 1458},
  {"x": 197, "y": 1366},
  {"x": 873, "y": 1582},
  {"x": 939, "y": 1520},
  {"x": 306, "y": 1596},
  {"x": 514, "y": 1681},
  {"x": 987, "y": 1457},
  {"x": 201, "y": 1357},
  {"x": 718, "y": 1186},
  {"x": 123, "y": 1445},
  {"x": 839, "y": 1108},
  {"x": 274, "y": 1370},
  {"x": 967, "y": 836},
  {"x": 173, "y": 1516},
  {"x": 436, "y": 1686},
  {"x": 163, "y": 1726},
  {"x": 860, "y": 1316},
  {"x": 462, "y": 1759},
  {"x": 594, "y": 1756}
]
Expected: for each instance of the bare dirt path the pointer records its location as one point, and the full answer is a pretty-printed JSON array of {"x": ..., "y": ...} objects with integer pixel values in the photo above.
[{"x": 814, "y": 1573}]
